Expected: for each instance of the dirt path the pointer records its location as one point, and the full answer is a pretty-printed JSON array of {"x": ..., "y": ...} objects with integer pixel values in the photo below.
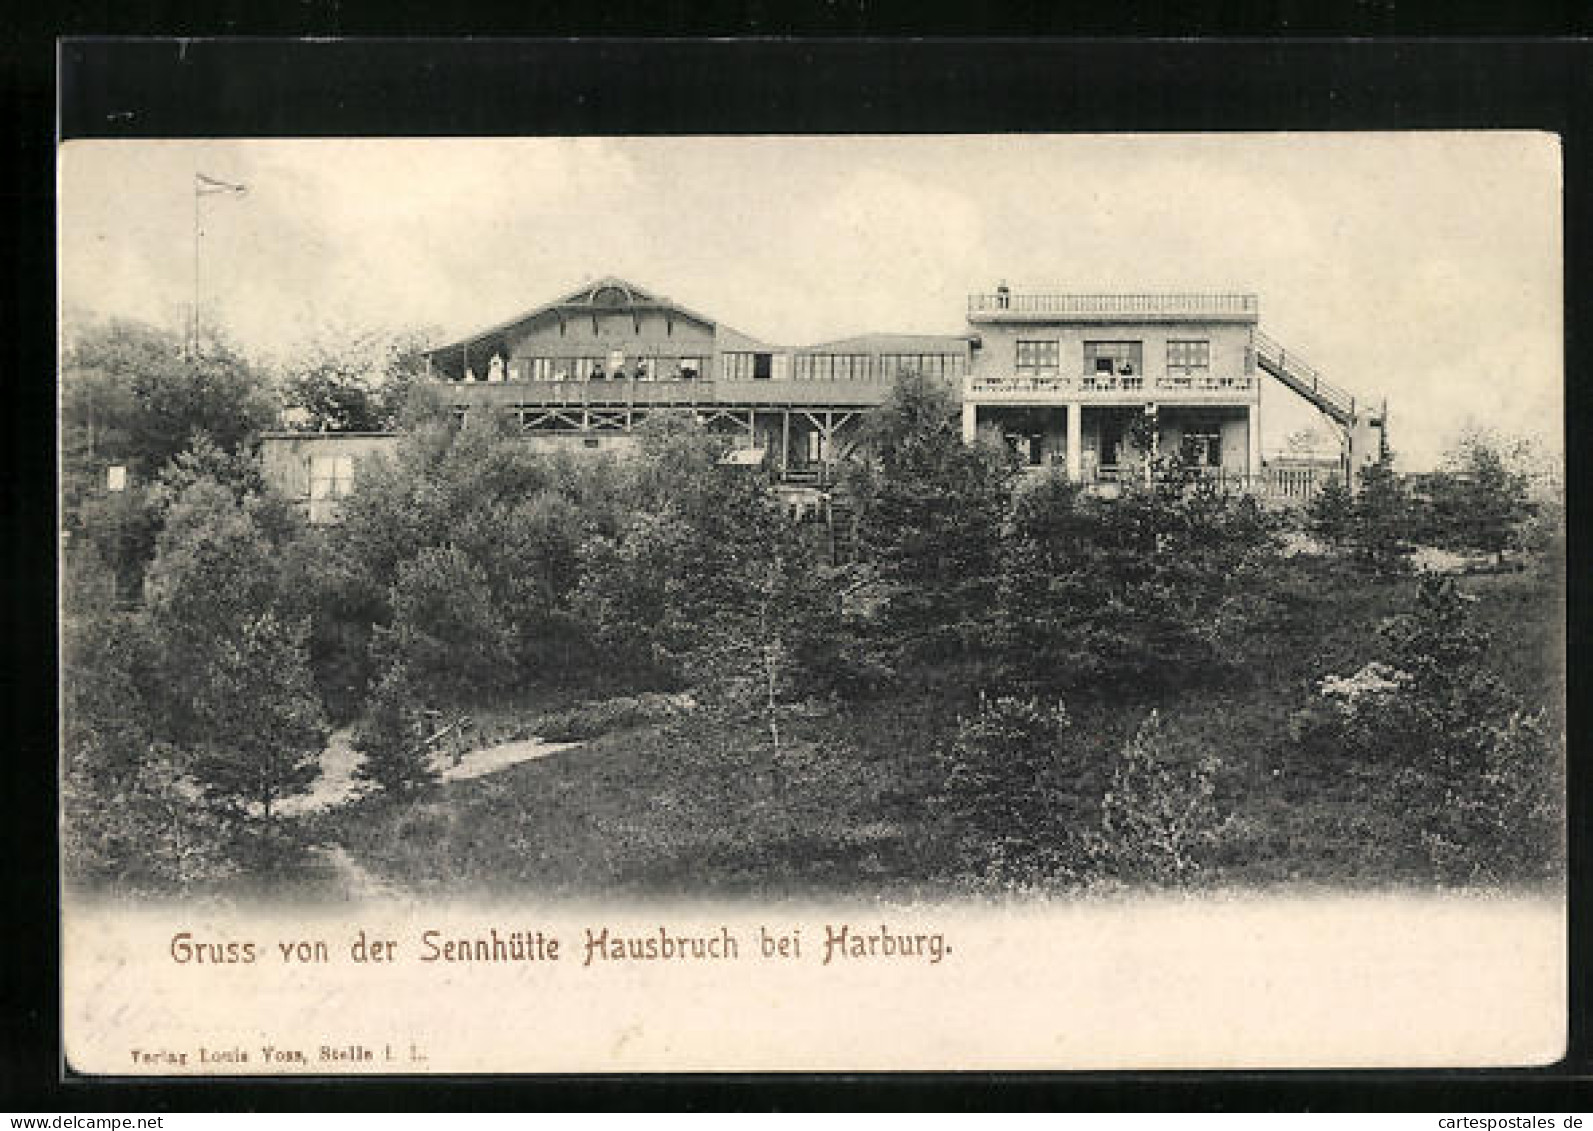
[
  {"x": 337, "y": 784},
  {"x": 352, "y": 881}
]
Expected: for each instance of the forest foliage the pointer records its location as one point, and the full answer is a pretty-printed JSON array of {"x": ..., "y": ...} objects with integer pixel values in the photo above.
[{"x": 212, "y": 638}]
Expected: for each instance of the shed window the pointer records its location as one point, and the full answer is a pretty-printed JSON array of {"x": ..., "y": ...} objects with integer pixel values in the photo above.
[{"x": 331, "y": 477}]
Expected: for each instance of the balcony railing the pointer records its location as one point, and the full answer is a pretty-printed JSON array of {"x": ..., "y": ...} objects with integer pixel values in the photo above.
[
  {"x": 1022, "y": 383},
  {"x": 612, "y": 393},
  {"x": 1111, "y": 382},
  {"x": 1061, "y": 386},
  {"x": 1204, "y": 382},
  {"x": 1115, "y": 305}
]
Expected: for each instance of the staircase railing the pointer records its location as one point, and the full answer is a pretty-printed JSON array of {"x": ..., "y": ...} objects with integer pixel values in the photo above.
[{"x": 1295, "y": 370}]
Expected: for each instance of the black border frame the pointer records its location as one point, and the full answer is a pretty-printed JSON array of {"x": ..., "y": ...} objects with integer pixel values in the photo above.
[{"x": 251, "y": 88}]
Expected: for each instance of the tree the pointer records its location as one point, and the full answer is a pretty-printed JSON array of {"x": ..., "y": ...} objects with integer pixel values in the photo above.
[
  {"x": 106, "y": 729},
  {"x": 1123, "y": 598},
  {"x": 217, "y": 569},
  {"x": 1330, "y": 516},
  {"x": 1478, "y": 500},
  {"x": 354, "y": 380},
  {"x": 259, "y": 728},
  {"x": 392, "y": 736},
  {"x": 771, "y": 634},
  {"x": 929, "y": 511},
  {"x": 446, "y": 631},
  {"x": 1382, "y": 520},
  {"x": 529, "y": 549},
  {"x": 477, "y": 489},
  {"x": 132, "y": 395}
]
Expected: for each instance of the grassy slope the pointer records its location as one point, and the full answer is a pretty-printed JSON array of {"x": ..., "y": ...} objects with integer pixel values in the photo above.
[{"x": 700, "y": 806}]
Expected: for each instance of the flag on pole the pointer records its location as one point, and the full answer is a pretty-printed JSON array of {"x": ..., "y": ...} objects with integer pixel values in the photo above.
[{"x": 204, "y": 185}]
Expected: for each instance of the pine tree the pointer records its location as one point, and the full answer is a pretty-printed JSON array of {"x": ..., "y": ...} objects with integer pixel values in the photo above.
[
  {"x": 392, "y": 736},
  {"x": 259, "y": 728}
]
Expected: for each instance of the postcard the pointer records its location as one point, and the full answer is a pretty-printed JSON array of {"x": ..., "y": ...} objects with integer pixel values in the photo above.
[{"x": 812, "y": 603}]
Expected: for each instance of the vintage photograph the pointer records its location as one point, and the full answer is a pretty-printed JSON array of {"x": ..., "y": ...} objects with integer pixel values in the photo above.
[{"x": 895, "y": 522}]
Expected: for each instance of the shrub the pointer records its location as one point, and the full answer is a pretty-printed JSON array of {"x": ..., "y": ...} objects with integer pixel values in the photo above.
[
  {"x": 1160, "y": 822},
  {"x": 1473, "y": 778},
  {"x": 143, "y": 833},
  {"x": 589, "y": 720},
  {"x": 1016, "y": 782}
]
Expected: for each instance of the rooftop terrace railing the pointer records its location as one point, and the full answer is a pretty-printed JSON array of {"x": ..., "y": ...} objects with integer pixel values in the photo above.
[{"x": 1107, "y": 305}]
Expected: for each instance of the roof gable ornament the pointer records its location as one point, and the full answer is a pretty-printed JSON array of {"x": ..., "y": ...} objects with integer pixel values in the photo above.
[{"x": 591, "y": 299}]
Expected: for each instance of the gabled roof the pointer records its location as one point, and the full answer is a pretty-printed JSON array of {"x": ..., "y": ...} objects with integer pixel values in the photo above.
[{"x": 588, "y": 296}]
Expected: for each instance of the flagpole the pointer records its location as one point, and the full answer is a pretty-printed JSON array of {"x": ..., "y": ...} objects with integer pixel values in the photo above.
[
  {"x": 202, "y": 183},
  {"x": 194, "y": 353}
]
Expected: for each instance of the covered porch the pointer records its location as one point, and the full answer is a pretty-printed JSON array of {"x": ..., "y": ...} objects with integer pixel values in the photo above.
[{"x": 1110, "y": 443}]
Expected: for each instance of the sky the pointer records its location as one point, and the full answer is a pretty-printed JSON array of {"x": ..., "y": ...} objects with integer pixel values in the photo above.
[{"x": 1424, "y": 268}]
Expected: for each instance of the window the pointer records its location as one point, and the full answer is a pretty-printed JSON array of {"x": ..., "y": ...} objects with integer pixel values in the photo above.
[
  {"x": 690, "y": 367},
  {"x": 762, "y": 366},
  {"x": 1188, "y": 354},
  {"x": 331, "y": 477},
  {"x": 591, "y": 442},
  {"x": 744, "y": 366},
  {"x": 1037, "y": 357},
  {"x": 1119, "y": 358},
  {"x": 1202, "y": 448},
  {"x": 542, "y": 369},
  {"x": 893, "y": 365}
]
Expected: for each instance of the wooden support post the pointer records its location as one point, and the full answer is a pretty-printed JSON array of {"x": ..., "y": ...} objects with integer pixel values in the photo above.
[
  {"x": 970, "y": 422},
  {"x": 785, "y": 440},
  {"x": 1253, "y": 439}
]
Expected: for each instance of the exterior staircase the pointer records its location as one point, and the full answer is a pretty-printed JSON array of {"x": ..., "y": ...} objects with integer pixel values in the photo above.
[
  {"x": 1295, "y": 372},
  {"x": 1365, "y": 426},
  {"x": 840, "y": 517}
]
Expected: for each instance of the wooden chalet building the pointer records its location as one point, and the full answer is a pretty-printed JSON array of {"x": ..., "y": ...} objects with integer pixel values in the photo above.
[{"x": 1080, "y": 382}]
